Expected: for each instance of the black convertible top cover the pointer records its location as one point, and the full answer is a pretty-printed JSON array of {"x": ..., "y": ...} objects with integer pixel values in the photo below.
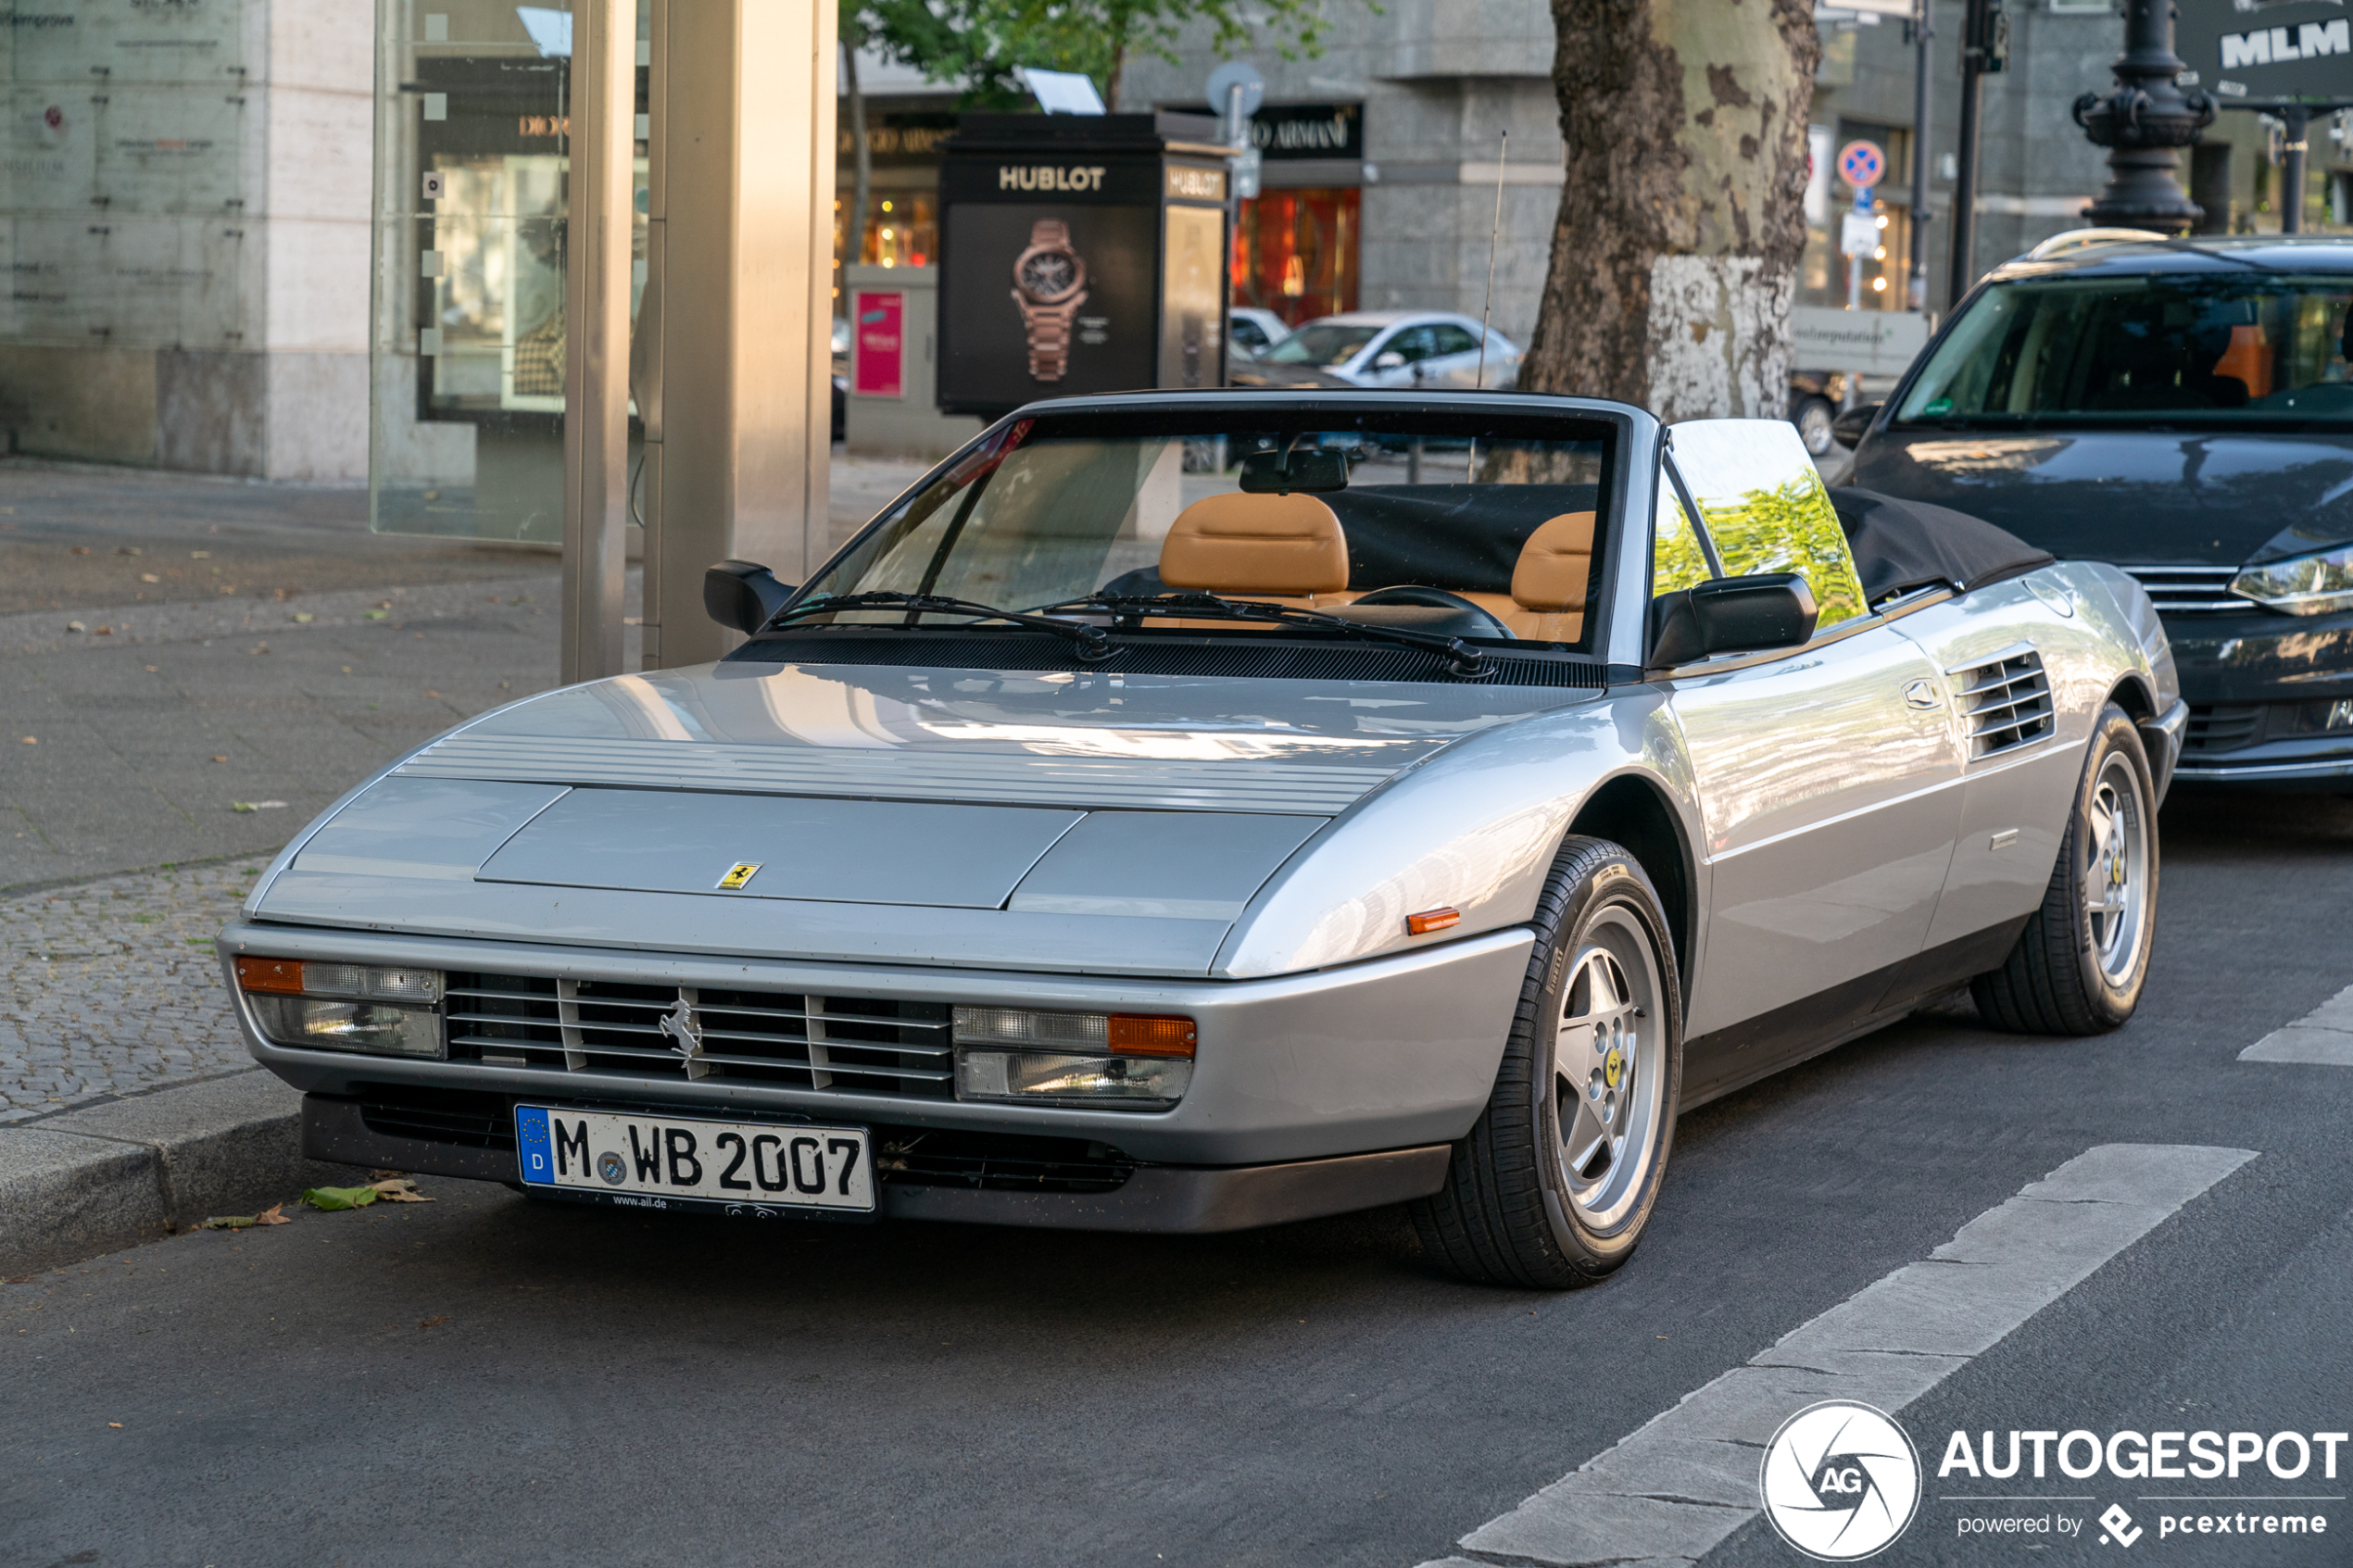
[{"x": 1900, "y": 545}]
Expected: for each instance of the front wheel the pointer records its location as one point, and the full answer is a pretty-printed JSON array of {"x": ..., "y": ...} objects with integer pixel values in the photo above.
[
  {"x": 2080, "y": 965},
  {"x": 1556, "y": 1181}
]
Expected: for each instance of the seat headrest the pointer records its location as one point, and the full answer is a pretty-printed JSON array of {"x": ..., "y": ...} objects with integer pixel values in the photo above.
[
  {"x": 1554, "y": 563},
  {"x": 1290, "y": 544}
]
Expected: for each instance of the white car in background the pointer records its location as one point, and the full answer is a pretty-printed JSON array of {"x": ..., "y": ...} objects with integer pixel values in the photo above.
[
  {"x": 1252, "y": 331},
  {"x": 1399, "y": 349}
]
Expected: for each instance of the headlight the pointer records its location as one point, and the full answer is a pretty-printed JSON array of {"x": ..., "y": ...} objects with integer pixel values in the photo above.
[
  {"x": 2314, "y": 585},
  {"x": 345, "y": 1007},
  {"x": 1017, "y": 1054}
]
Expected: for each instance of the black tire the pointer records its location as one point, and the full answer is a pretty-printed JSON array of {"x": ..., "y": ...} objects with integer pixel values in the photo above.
[
  {"x": 2075, "y": 970},
  {"x": 1513, "y": 1211}
]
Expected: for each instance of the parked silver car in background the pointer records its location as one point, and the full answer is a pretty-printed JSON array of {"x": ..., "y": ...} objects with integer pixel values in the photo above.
[
  {"x": 1252, "y": 332},
  {"x": 1195, "y": 811},
  {"x": 1418, "y": 350}
]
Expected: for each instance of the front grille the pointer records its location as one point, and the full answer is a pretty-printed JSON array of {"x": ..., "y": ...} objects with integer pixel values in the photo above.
[
  {"x": 2006, "y": 702},
  {"x": 2190, "y": 590},
  {"x": 859, "y": 1045},
  {"x": 2217, "y": 728},
  {"x": 908, "y": 1156}
]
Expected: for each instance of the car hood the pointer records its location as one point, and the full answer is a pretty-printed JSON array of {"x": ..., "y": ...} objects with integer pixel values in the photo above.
[
  {"x": 2134, "y": 497},
  {"x": 1103, "y": 823}
]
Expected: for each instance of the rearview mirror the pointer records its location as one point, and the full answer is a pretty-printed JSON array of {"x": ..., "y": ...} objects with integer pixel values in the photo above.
[
  {"x": 1765, "y": 610},
  {"x": 1279, "y": 473},
  {"x": 742, "y": 595},
  {"x": 1848, "y": 429}
]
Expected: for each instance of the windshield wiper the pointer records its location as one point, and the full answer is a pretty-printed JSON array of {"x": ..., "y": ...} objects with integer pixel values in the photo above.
[
  {"x": 1094, "y": 643},
  {"x": 1461, "y": 657}
]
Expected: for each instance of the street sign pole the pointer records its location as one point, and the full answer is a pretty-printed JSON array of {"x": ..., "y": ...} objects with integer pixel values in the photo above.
[
  {"x": 1861, "y": 165},
  {"x": 1985, "y": 46},
  {"x": 1923, "y": 35}
]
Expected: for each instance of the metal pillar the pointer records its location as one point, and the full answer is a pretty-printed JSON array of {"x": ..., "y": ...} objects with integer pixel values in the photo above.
[
  {"x": 2143, "y": 120},
  {"x": 1923, "y": 38},
  {"x": 597, "y": 335},
  {"x": 1984, "y": 42},
  {"x": 2295, "y": 121},
  {"x": 734, "y": 371}
]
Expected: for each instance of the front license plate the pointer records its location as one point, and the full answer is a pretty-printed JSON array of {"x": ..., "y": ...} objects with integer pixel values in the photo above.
[{"x": 658, "y": 1161}]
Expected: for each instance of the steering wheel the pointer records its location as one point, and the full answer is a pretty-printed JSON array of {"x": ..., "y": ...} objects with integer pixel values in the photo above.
[{"x": 1436, "y": 598}]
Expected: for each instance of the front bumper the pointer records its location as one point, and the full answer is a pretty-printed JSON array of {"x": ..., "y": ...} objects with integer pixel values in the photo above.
[
  {"x": 1399, "y": 1052},
  {"x": 2262, "y": 689},
  {"x": 1196, "y": 1199}
]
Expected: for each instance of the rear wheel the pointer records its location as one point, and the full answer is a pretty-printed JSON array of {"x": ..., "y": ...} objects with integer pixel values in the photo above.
[
  {"x": 1555, "y": 1183},
  {"x": 2081, "y": 961}
]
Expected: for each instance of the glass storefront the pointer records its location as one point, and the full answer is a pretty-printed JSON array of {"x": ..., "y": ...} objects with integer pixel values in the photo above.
[
  {"x": 1295, "y": 252},
  {"x": 467, "y": 350}
]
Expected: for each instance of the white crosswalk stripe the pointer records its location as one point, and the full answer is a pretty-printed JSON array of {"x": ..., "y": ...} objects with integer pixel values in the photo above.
[
  {"x": 2323, "y": 1037},
  {"x": 1672, "y": 1490}
]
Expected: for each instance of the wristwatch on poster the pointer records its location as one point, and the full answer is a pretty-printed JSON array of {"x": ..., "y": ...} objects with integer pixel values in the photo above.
[{"x": 1050, "y": 284}]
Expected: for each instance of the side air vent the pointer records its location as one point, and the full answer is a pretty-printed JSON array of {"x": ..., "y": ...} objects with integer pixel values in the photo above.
[{"x": 2006, "y": 702}]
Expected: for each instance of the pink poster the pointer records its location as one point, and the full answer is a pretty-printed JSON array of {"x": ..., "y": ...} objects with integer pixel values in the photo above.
[{"x": 878, "y": 365}]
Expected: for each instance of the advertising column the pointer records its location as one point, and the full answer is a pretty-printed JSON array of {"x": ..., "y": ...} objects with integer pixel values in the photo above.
[{"x": 1079, "y": 254}]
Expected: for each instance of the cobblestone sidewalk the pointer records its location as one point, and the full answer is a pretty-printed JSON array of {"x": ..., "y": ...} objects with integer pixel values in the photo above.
[{"x": 110, "y": 987}]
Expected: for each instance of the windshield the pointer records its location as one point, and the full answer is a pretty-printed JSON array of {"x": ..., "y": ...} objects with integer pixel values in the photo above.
[
  {"x": 1325, "y": 342},
  {"x": 2190, "y": 349},
  {"x": 1495, "y": 512}
]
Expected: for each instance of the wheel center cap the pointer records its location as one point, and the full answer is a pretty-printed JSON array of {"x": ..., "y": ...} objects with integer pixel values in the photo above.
[{"x": 1614, "y": 1066}]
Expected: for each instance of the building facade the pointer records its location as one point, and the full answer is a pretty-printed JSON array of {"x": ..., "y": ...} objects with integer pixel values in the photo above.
[{"x": 183, "y": 208}]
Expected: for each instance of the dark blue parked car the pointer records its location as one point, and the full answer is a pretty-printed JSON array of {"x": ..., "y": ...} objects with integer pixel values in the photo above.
[{"x": 2183, "y": 408}]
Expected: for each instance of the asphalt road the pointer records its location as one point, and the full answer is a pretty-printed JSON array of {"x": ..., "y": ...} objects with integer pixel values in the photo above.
[{"x": 484, "y": 1379}]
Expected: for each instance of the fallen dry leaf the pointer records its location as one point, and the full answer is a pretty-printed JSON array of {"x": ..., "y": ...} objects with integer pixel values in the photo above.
[
  {"x": 81, "y": 550},
  {"x": 116, "y": 1425},
  {"x": 432, "y": 1323},
  {"x": 103, "y": 632},
  {"x": 32, "y": 740},
  {"x": 75, "y": 626},
  {"x": 220, "y": 759},
  {"x": 274, "y": 1215},
  {"x": 400, "y": 1189}
]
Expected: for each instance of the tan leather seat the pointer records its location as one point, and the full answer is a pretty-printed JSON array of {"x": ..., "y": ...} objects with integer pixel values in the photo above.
[
  {"x": 1549, "y": 581},
  {"x": 1284, "y": 547}
]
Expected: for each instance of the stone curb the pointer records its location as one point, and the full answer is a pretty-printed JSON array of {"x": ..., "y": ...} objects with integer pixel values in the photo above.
[{"x": 108, "y": 1176}]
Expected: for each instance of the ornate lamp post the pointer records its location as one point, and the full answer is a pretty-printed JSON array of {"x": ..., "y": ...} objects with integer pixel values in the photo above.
[{"x": 2143, "y": 120}]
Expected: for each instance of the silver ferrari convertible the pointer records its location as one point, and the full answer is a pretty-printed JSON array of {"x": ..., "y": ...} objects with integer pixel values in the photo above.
[{"x": 1184, "y": 813}]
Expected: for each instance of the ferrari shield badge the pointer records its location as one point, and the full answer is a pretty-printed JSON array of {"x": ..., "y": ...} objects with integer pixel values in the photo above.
[{"x": 738, "y": 874}]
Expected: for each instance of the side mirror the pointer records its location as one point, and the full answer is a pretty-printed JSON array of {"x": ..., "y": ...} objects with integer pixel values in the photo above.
[
  {"x": 1393, "y": 361},
  {"x": 1847, "y": 430},
  {"x": 742, "y": 595},
  {"x": 1767, "y": 609}
]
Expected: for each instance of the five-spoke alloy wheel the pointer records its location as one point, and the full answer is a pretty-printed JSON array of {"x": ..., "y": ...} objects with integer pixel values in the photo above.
[{"x": 1556, "y": 1183}]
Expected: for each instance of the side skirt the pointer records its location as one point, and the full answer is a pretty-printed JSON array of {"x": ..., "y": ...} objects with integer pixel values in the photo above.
[{"x": 1715, "y": 1065}]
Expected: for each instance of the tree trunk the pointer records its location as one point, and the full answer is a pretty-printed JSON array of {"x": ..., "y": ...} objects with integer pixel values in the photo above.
[
  {"x": 861, "y": 161},
  {"x": 1682, "y": 221},
  {"x": 1119, "y": 64}
]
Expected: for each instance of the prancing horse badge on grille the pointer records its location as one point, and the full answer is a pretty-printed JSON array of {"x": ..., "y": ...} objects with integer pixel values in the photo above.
[{"x": 738, "y": 874}]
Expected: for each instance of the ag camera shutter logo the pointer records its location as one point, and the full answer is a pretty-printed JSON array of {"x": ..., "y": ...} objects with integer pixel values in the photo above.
[{"x": 1839, "y": 1481}]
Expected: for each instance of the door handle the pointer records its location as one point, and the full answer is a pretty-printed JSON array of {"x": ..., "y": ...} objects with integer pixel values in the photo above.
[{"x": 1921, "y": 693}]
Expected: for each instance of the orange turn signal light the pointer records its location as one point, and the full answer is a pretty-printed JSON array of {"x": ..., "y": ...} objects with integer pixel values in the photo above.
[
  {"x": 1432, "y": 920},
  {"x": 269, "y": 974},
  {"x": 1130, "y": 1033}
]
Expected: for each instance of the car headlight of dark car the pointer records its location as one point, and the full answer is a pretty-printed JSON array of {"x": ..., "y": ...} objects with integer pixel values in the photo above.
[
  {"x": 345, "y": 1007},
  {"x": 2319, "y": 583}
]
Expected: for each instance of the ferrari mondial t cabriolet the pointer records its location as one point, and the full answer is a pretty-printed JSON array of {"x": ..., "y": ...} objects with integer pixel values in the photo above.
[{"x": 1184, "y": 813}]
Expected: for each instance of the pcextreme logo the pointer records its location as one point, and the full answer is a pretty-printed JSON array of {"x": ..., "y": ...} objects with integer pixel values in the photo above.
[{"x": 1839, "y": 1481}]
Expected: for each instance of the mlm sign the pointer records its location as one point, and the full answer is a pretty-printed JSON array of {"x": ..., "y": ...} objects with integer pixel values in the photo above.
[{"x": 2300, "y": 49}]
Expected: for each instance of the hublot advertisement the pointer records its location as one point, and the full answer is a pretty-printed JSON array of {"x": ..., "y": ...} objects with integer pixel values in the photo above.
[{"x": 1077, "y": 257}]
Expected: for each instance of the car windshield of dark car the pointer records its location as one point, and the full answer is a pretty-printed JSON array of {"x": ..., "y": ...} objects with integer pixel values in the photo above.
[
  {"x": 2169, "y": 348},
  {"x": 1327, "y": 344},
  {"x": 1489, "y": 519}
]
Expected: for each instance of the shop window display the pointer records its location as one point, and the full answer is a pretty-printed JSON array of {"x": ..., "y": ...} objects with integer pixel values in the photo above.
[{"x": 1295, "y": 253}]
